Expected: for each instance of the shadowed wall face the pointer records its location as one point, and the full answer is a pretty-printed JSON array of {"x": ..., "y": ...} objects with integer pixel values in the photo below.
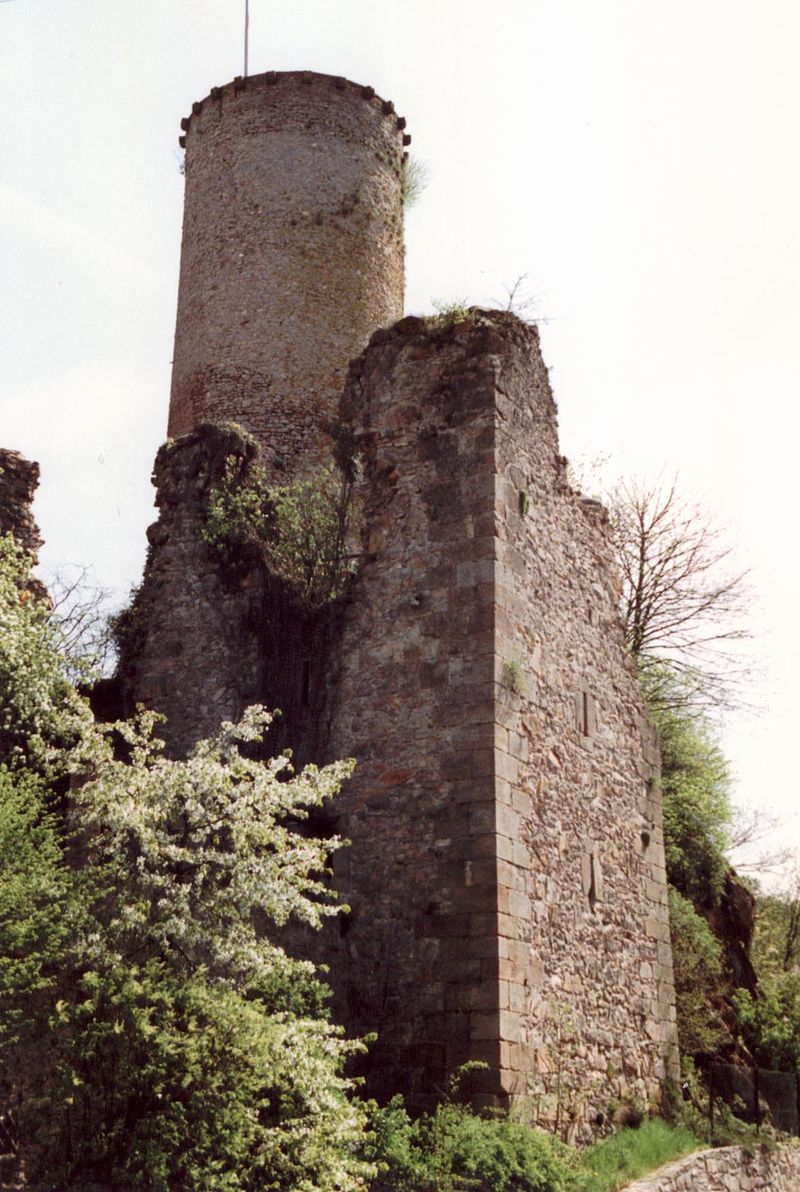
[{"x": 292, "y": 254}]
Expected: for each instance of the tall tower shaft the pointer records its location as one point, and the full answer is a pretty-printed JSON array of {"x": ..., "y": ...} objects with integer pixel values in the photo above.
[{"x": 292, "y": 253}]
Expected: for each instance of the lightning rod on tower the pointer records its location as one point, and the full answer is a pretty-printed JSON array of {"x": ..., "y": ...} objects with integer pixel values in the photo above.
[{"x": 246, "y": 32}]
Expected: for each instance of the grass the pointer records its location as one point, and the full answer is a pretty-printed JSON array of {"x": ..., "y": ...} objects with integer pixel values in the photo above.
[
  {"x": 454, "y": 1149},
  {"x": 614, "y": 1162}
]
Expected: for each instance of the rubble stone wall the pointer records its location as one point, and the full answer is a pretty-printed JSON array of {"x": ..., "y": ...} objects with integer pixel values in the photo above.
[
  {"x": 19, "y": 479},
  {"x": 292, "y": 253},
  {"x": 191, "y": 647},
  {"x": 586, "y": 960},
  {"x": 505, "y": 876},
  {"x": 507, "y": 869},
  {"x": 728, "y": 1169}
]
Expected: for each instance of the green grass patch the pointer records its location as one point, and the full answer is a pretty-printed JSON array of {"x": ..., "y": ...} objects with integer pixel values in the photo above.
[
  {"x": 454, "y": 1150},
  {"x": 614, "y": 1162}
]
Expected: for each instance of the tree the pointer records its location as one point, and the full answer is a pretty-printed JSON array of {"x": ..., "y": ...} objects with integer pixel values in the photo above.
[
  {"x": 770, "y": 1022},
  {"x": 776, "y": 943},
  {"x": 697, "y": 959},
  {"x": 302, "y": 530},
  {"x": 683, "y": 602},
  {"x": 39, "y": 709},
  {"x": 82, "y": 629},
  {"x": 150, "y": 1036},
  {"x": 695, "y": 783}
]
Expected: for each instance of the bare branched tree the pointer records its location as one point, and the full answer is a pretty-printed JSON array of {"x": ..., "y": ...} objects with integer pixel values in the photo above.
[
  {"x": 752, "y": 847},
  {"x": 79, "y": 616},
  {"x": 519, "y": 300},
  {"x": 684, "y": 604}
]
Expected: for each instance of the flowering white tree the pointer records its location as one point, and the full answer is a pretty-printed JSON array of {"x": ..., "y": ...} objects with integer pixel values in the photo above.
[{"x": 150, "y": 1035}]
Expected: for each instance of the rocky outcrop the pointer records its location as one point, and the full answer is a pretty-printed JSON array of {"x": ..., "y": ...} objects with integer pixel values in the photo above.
[{"x": 733, "y": 922}]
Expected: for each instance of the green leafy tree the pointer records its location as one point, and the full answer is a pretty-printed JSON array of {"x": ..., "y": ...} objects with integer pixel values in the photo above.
[
  {"x": 770, "y": 1021},
  {"x": 697, "y": 958},
  {"x": 776, "y": 942},
  {"x": 696, "y": 783},
  {"x": 303, "y": 530},
  {"x": 40, "y": 713},
  {"x": 150, "y": 1035}
]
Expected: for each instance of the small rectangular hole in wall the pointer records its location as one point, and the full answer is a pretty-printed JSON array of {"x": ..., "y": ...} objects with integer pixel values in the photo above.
[
  {"x": 585, "y": 713},
  {"x": 597, "y": 878}
]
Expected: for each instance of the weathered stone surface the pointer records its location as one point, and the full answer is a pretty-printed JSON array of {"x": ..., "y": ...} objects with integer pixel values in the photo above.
[
  {"x": 531, "y": 791},
  {"x": 210, "y": 634},
  {"x": 728, "y": 1169},
  {"x": 292, "y": 255},
  {"x": 191, "y": 649},
  {"x": 503, "y": 905},
  {"x": 19, "y": 479}
]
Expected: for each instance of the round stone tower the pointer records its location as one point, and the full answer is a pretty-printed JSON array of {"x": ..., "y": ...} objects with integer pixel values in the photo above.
[{"x": 292, "y": 253}]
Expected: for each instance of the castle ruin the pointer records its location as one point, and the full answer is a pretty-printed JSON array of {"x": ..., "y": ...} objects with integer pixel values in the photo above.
[{"x": 505, "y": 877}]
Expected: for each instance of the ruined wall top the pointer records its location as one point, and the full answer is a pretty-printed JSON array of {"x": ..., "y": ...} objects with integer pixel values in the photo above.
[
  {"x": 292, "y": 252},
  {"x": 19, "y": 479}
]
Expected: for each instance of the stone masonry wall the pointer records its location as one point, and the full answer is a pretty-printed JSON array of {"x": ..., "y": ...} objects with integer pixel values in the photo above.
[
  {"x": 292, "y": 253},
  {"x": 506, "y": 871},
  {"x": 728, "y": 1169},
  {"x": 191, "y": 645},
  {"x": 209, "y": 634},
  {"x": 19, "y": 479},
  {"x": 586, "y": 981},
  {"x": 506, "y": 876},
  {"x": 416, "y": 958}
]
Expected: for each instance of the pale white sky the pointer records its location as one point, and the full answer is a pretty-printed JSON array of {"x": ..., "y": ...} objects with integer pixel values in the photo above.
[{"x": 638, "y": 160}]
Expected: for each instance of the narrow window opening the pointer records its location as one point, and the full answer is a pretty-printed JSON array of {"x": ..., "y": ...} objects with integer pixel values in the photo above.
[
  {"x": 585, "y": 713},
  {"x": 592, "y": 878}
]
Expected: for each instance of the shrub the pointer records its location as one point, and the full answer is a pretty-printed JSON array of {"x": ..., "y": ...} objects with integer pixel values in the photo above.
[
  {"x": 453, "y": 1148},
  {"x": 150, "y": 1036},
  {"x": 416, "y": 176},
  {"x": 697, "y": 957},
  {"x": 303, "y": 530},
  {"x": 449, "y": 314}
]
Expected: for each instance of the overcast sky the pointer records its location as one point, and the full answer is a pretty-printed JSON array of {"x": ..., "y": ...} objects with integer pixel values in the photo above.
[{"x": 636, "y": 160}]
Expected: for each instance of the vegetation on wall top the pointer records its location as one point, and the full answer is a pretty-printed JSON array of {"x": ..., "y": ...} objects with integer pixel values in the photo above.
[{"x": 305, "y": 531}]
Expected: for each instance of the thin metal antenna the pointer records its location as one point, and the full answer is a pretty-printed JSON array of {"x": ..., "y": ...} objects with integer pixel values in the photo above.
[{"x": 246, "y": 32}]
